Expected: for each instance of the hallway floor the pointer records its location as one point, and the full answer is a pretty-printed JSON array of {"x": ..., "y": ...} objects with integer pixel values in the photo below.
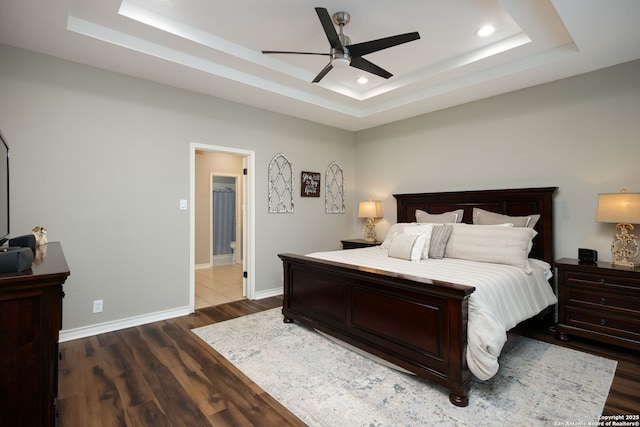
[{"x": 218, "y": 285}]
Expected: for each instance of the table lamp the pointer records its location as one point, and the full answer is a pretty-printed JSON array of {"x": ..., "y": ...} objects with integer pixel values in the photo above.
[
  {"x": 370, "y": 209},
  {"x": 622, "y": 209}
]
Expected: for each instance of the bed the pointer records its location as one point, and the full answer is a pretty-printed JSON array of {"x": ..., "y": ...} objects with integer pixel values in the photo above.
[{"x": 417, "y": 323}]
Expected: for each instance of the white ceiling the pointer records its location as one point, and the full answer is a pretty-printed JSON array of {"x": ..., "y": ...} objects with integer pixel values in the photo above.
[{"x": 214, "y": 47}]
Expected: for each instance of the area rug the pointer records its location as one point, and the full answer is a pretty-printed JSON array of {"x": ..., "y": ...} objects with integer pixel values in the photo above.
[{"x": 326, "y": 384}]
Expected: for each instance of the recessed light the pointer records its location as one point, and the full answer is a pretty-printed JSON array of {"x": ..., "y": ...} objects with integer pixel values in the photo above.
[
  {"x": 362, "y": 80},
  {"x": 485, "y": 31}
]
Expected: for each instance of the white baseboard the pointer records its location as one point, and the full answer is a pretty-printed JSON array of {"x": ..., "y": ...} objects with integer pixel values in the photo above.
[
  {"x": 115, "y": 325},
  {"x": 201, "y": 266},
  {"x": 222, "y": 259},
  {"x": 268, "y": 293},
  {"x": 101, "y": 328}
]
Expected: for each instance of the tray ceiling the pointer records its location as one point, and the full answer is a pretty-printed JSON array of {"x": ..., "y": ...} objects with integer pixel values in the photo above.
[{"x": 215, "y": 47}]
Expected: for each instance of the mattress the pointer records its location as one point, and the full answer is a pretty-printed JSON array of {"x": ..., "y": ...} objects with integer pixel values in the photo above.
[{"x": 505, "y": 295}]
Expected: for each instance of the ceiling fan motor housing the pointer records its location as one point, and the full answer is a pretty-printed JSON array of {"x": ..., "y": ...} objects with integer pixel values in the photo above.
[{"x": 341, "y": 18}]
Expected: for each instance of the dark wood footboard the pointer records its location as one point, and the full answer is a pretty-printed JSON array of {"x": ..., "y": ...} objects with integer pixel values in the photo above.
[{"x": 417, "y": 324}]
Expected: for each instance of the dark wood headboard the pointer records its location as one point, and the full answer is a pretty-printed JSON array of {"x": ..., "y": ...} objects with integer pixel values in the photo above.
[{"x": 514, "y": 202}]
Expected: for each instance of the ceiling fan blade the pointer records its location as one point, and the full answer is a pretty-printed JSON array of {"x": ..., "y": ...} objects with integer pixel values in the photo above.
[
  {"x": 369, "y": 67},
  {"x": 296, "y": 53},
  {"x": 323, "y": 73},
  {"x": 329, "y": 29},
  {"x": 360, "y": 49}
]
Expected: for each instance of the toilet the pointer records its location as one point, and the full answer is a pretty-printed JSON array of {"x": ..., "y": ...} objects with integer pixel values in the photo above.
[{"x": 232, "y": 245}]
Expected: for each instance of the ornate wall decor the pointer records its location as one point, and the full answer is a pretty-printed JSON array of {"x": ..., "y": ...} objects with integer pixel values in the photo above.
[
  {"x": 334, "y": 189},
  {"x": 280, "y": 185},
  {"x": 310, "y": 184}
]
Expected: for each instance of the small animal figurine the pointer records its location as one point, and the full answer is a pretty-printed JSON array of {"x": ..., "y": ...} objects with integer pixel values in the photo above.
[{"x": 41, "y": 235}]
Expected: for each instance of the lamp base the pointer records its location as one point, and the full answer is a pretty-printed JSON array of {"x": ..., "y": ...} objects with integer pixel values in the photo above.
[
  {"x": 624, "y": 247},
  {"x": 370, "y": 231}
]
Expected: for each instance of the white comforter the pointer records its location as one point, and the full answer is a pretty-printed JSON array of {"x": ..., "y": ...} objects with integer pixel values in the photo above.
[{"x": 504, "y": 295}]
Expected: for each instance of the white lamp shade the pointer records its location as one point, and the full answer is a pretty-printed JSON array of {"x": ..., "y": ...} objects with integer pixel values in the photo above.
[
  {"x": 619, "y": 208},
  {"x": 370, "y": 209}
]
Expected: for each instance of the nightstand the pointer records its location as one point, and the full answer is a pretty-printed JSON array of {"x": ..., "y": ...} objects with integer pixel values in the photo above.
[
  {"x": 358, "y": 243},
  {"x": 599, "y": 302}
]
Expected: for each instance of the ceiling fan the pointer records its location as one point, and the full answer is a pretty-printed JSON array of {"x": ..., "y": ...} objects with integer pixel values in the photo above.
[{"x": 343, "y": 53}]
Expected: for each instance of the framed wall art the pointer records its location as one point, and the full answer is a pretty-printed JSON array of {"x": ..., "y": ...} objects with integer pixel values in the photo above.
[
  {"x": 280, "y": 185},
  {"x": 334, "y": 191},
  {"x": 310, "y": 184}
]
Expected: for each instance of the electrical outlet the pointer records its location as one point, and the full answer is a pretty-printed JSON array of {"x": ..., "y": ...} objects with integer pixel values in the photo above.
[{"x": 97, "y": 306}]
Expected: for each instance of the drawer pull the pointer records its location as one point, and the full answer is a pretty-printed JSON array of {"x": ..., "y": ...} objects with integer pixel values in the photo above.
[
  {"x": 603, "y": 322},
  {"x": 602, "y": 281},
  {"x": 603, "y": 300}
]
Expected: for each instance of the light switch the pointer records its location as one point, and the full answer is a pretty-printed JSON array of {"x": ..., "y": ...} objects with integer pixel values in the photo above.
[{"x": 183, "y": 205}]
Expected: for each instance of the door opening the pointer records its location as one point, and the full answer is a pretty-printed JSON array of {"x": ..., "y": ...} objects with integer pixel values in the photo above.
[{"x": 204, "y": 169}]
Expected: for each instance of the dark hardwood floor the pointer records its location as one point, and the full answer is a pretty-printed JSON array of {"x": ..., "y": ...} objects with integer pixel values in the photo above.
[{"x": 161, "y": 374}]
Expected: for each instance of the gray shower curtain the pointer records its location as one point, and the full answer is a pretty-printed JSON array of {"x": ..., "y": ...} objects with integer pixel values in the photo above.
[{"x": 224, "y": 220}]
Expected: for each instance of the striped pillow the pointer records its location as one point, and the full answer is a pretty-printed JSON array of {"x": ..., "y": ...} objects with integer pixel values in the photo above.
[
  {"x": 490, "y": 243},
  {"x": 407, "y": 246},
  {"x": 439, "y": 237}
]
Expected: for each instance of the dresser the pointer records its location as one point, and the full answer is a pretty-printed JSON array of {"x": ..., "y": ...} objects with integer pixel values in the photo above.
[
  {"x": 599, "y": 302},
  {"x": 30, "y": 321}
]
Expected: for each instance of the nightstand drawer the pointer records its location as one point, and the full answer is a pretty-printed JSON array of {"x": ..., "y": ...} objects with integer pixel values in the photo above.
[
  {"x": 604, "y": 323},
  {"x": 601, "y": 280},
  {"x": 628, "y": 305}
]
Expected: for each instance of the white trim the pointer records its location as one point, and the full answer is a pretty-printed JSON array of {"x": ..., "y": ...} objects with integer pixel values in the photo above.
[
  {"x": 115, "y": 325},
  {"x": 269, "y": 293},
  {"x": 248, "y": 228},
  {"x": 222, "y": 259}
]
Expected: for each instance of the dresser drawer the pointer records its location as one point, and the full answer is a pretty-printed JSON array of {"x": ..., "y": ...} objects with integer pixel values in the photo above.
[
  {"x": 604, "y": 323},
  {"x": 628, "y": 305}
]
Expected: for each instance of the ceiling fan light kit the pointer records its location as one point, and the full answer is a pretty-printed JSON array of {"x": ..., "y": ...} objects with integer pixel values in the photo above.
[
  {"x": 342, "y": 53},
  {"x": 340, "y": 62}
]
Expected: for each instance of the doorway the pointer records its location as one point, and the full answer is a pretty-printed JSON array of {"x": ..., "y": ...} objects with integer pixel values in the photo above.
[{"x": 208, "y": 161}]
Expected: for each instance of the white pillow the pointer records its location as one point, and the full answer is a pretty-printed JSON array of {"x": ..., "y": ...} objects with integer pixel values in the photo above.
[
  {"x": 447, "y": 217},
  {"x": 407, "y": 246},
  {"x": 397, "y": 228},
  {"x": 482, "y": 217},
  {"x": 488, "y": 243},
  {"x": 422, "y": 229}
]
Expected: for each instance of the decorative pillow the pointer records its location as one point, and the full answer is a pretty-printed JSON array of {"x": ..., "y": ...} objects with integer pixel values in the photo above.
[
  {"x": 397, "y": 228},
  {"x": 407, "y": 246},
  {"x": 424, "y": 229},
  {"x": 488, "y": 243},
  {"x": 482, "y": 217},
  {"x": 439, "y": 238},
  {"x": 447, "y": 217}
]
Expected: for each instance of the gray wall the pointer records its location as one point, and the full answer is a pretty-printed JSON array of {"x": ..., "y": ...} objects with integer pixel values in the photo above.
[
  {"x": 102, "y": 160},
  {"x": 580, "y": 134}
]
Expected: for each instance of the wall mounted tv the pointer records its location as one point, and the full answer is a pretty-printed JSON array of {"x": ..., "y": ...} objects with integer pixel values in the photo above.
[{"x": 4, "y": 188}]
